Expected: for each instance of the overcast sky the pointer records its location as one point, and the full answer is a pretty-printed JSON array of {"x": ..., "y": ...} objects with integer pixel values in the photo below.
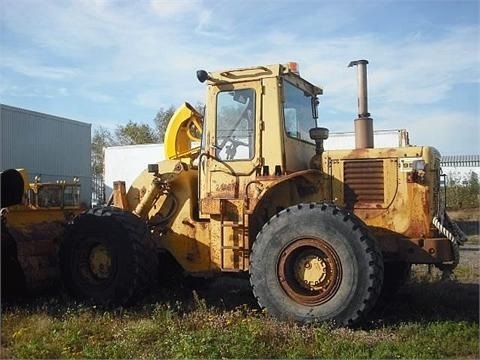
[{"x": 108, "y": 62}]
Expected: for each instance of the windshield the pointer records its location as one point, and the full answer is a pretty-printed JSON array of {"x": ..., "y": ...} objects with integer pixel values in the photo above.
[
  {"x": 235, "y": 124},
  {"x": 298, "y": 112}
]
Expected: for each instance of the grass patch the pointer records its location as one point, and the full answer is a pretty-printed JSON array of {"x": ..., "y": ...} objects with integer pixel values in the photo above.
[
  {"x": 427, "y": 319},
  {"x": 465, "y": 272},
  {"x": 160, "y": 333}
]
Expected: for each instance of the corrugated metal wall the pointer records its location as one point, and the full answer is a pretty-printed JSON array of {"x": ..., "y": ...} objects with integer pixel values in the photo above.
[{"x": 53, "y": 147}]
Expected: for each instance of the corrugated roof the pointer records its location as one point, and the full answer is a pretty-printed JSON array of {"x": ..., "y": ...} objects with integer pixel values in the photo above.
[
  {"x": 460, "y": 160},
  {"x": 4, "y": 107}
]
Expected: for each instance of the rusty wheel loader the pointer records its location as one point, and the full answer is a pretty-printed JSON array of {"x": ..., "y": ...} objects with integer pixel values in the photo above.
[
  {"x": 33, "y": 219},
  {"x": 248, "y": 189}
]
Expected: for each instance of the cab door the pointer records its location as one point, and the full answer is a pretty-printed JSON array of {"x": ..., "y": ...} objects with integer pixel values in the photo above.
[
  {"x": 231, "y": 158},
  {"x": 232, "y": 143}
]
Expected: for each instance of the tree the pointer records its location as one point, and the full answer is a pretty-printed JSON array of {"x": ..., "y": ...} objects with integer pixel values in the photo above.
[
  {"x": 474, "y": 184},
  {"x": 463, "y": 192},
  {"x": 102, "y": 137},
  {"x": 161, "y": 121},
  {"x": 130, "y": 134},
  {"x": 133, "y": 133}
]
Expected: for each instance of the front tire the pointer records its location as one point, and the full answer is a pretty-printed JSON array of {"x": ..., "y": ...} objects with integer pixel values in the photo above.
[
  {"x": 316, "y": 262},
  {"x": 104, "y": 257}
]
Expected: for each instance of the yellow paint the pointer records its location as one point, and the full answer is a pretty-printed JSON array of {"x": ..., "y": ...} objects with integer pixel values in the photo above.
[
  {"x": 181, "y": 140},
  {"x": 207, "y": 213},
  {"x": 408, "y": 207}
]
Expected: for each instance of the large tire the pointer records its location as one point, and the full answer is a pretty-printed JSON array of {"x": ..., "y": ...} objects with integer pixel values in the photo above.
[
  {"x": 316, "y": 262},
  {"x": 104, "y": 257}
]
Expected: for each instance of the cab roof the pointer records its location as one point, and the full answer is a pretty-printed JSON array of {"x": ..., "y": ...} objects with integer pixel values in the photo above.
[{"x": 260, "y": 72}]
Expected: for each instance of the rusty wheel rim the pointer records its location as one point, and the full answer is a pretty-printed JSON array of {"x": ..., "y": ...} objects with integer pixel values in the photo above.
[
  {"x": 309, "y": 271},
  {"x": 100, "y": 262}
]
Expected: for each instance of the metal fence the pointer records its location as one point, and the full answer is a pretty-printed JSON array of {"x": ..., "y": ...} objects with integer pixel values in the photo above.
[
  {"x": 98, "y": 190},
  {"x": 460, "y": 161}
]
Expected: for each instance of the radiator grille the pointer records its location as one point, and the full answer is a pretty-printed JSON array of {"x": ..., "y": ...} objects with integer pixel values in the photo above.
[{"x": 363, "y": 181}]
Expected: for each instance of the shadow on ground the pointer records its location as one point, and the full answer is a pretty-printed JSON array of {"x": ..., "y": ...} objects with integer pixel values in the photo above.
[
  {"x": 416, "y": 302},
  {"x": 429, "y": 301}
]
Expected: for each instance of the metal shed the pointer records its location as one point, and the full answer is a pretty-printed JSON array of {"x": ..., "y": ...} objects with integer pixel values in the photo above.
[{"x": 52, "y": 147}]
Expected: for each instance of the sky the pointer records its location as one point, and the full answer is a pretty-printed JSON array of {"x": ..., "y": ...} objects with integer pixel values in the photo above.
[{"x": 107, "y": 62}]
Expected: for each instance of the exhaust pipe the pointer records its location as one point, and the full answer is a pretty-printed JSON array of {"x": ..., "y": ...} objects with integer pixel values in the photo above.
[{"x": 364, "y": 123}]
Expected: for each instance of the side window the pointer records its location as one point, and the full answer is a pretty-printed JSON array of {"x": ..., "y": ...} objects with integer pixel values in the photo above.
[
  {"x": 71, "y": 195},
  {"x": 235, "y": 125},
  {"x": 49, "y": 196},
  {"x": 297, "y": 112}
]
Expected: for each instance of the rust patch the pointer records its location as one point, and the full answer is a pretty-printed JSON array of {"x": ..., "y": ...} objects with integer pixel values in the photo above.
[
  {"x": 210, "y": 206},
  {"x": 37, "y": 253},
  {"x": 417, "y": 251}
]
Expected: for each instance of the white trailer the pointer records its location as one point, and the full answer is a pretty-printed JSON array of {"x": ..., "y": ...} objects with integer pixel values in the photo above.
[
  {"x": 127, "y": 162},
  {"x": 381, "y": 139}
]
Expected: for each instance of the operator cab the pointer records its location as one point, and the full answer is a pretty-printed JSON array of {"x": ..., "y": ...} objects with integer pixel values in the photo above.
[{"x": 258, "y": 119}]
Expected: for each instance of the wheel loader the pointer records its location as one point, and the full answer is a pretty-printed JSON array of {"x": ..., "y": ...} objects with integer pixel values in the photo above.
[
  {"x": 33, "y": 220},
  {"x": 248, "y": 189}
]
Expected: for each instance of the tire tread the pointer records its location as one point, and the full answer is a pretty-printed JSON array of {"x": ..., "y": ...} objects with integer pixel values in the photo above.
[{"x": 368, "y": 243}]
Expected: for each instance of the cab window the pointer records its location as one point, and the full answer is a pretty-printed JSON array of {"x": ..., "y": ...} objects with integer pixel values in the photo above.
[
  {"x": 297, "y": 112},
  {"x": 235, "y": 125},
  {"x": 49, "y": 196},
  {"x": 71, "y": 195}
]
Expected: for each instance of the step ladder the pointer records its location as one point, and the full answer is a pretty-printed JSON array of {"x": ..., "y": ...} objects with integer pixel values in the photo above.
[{"x": 241, "y": 251}]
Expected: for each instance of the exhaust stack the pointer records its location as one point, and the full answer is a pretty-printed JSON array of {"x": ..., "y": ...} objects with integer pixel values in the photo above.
[{"x": 364, "y": 123}]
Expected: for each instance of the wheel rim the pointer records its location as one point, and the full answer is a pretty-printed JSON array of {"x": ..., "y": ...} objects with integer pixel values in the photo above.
[
  {"x": 100, "y": 262},
  {"x": 309, "y": 271},
  {"x": 96, "y": 263}
]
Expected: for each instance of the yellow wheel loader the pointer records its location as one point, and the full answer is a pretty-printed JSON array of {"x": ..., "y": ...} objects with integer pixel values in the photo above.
[
  {"x": 33, "y": 220},
  {"x": 248, "y": 189}
]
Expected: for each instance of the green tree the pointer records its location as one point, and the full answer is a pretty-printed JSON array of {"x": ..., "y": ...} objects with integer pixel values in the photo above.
[
  {"x": 463, "y": 192},
  {"x": 102, "y": 137},
  {"x": 474, "y": 184},
  {"x": 161, "y": 121},
  {"x": 133, "y": 133}
]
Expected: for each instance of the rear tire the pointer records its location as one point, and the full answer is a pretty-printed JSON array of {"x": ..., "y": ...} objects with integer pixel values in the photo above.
[
  {"x": 104, "y": 257},
  {"x": 316, "y": 262}
]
